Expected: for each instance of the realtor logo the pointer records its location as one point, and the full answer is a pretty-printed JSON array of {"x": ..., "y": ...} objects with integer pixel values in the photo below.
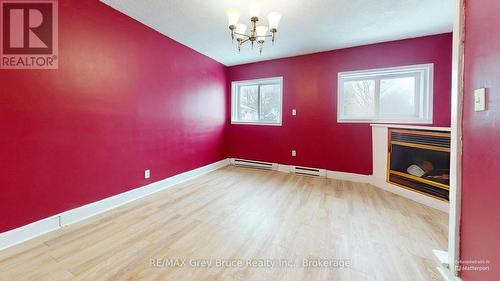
[{"x": 29, "y": 34}]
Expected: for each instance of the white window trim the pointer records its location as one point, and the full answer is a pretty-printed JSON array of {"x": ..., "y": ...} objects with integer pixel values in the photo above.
[
  {"x": 234, "y": 99},
  {"x": 427, "y": 71}
]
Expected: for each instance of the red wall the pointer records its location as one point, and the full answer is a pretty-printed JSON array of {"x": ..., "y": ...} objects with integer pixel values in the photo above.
[
  {"x": 481, "y": 141},
  {"x": 125, "y": 99},
  {"x": 310, "y": 86}
]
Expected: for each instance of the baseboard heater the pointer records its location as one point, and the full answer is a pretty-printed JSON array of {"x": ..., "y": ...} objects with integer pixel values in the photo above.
[
  {"x": 252, "y": 164},
  {"x": 308, "y": 171}
]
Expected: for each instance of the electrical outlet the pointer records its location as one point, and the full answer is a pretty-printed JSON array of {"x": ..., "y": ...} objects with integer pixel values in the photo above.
[
  {"x": 147, "y": 174},
  {"x": 294, "y": 112},
  {"x": 294, "y": 153}
]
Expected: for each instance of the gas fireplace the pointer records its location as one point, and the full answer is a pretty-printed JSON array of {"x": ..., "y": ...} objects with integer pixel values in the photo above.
[{"x": 420, "y": 161}]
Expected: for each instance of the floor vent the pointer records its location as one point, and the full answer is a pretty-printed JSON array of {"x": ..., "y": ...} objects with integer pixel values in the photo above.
[
  {"x": 309, "y": 171},
  {"x": 252, "y": 164}
]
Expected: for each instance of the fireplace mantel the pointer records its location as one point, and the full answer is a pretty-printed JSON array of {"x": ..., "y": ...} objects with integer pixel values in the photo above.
[
  {"x": 379, "y": 150},
  {"x": 413, "y": 127}
]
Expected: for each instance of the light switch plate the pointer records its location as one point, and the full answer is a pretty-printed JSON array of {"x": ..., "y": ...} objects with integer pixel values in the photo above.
[
  {"x": 294, "y": 112},
  {"x": 480, "y": 99}
]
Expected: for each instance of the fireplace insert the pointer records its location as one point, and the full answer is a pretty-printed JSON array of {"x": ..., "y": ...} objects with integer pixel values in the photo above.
[{"x": 420, "y": 161}]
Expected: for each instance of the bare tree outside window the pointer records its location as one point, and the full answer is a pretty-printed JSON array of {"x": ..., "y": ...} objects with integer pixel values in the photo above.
[
  {"x": 359, "y": 98},
  {"x": 270, "y": 103},
  {"x": 248, "y": 106}
]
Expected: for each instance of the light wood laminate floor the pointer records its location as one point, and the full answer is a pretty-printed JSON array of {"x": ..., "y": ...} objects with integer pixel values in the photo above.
[{"x": 243, "y": 215}]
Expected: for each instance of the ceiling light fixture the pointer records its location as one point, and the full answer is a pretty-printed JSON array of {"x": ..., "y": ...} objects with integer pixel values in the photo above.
[{"x": 256, "y": 34}]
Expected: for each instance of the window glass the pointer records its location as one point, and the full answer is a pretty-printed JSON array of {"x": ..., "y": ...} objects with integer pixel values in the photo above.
[
  {"x": 359, "y": 98},
  {"x": 257, "y": 102},
  {"x": 388, "y": 95},
  {"x": 248, "y": 106},
  {"x": 397, "y": 96},
  {"x": 270, "y": 103}
]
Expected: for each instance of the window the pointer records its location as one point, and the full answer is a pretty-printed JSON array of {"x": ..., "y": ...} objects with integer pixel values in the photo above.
[
  {"x": 257, "y": 102},
  {"x": 389, "y": 95}
]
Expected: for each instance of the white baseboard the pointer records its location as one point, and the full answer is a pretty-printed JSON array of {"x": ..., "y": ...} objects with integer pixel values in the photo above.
[
  {"x": 441, "y": 257},
  {"x": 30, "y": 231},
  {"x": 284, "y": 168},
  {"x": 348, "y": 176}
]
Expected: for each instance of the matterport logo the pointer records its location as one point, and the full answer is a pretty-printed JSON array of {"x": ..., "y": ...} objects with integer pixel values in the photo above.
[{"x": 29, "y": 34}]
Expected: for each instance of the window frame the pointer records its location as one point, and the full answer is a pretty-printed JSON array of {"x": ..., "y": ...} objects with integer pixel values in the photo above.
[
  {"x": 424, "y": 93},
  {"x": 255, "y": 82}
]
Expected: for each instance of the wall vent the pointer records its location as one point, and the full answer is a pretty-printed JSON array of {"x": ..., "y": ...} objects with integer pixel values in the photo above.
[
  {"x": 309, "y": 171},
  {"x": 252, "y": 164}
]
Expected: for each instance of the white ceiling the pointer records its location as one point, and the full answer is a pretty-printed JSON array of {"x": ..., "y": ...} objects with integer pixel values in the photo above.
[{"x": 307, "y": 26}]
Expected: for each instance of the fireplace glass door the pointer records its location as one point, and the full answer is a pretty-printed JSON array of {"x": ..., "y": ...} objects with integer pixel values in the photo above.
[{"x": 420, "y": 161}]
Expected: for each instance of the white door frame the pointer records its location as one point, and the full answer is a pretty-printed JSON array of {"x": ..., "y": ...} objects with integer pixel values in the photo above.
[{"x": 456, "y": 137}]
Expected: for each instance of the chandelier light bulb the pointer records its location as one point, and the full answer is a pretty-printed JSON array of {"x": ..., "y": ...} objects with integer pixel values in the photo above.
[
  {"x": 232, "y": 16},
  {"x": 274, "y": 19},
  {"x": 254, "y": 11},
  {"x": 261, "y": 32}
]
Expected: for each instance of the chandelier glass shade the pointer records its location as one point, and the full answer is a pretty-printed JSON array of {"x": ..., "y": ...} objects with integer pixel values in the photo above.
[{"x": 257, "y": 34}]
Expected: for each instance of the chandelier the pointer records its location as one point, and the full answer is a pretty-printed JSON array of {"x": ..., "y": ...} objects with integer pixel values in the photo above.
[{"x": 257, "y": 33}]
